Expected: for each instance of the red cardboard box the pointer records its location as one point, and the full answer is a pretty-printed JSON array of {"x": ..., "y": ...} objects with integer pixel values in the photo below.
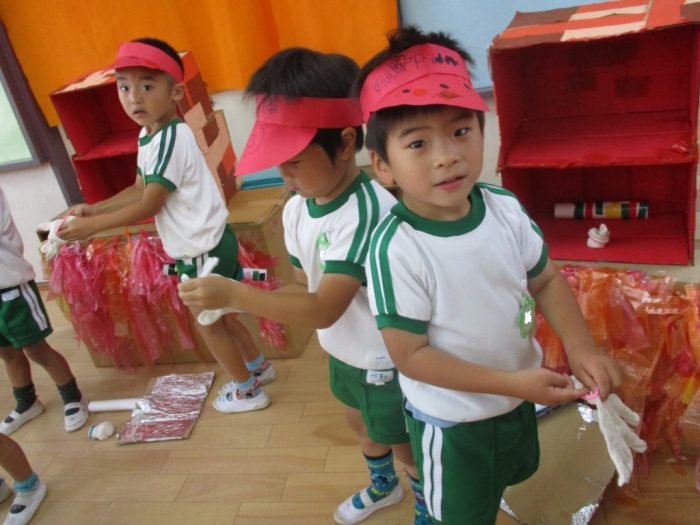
[{"x": 600, "y": 103}]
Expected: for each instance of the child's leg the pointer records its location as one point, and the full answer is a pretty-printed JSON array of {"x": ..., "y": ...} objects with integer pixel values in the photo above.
[
  {"x": 75, "y": 406},
  {"x": 384, "y": 488},
  {"x": 402, "y": 452},
  {"x": 19, "y": 372},
  {"x": 223, "y": 346},
  {"x": 255, "y": 362},
  {"x": 373, "y": 411},
  {"x": 30, "y": 489},
  {"x": 13, "y": 460}
]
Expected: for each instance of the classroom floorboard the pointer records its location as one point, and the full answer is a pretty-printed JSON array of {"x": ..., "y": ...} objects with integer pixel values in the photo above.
[{"x": 289, "y": 464}]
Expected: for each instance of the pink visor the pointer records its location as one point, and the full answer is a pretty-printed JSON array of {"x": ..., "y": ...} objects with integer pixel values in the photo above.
[
  {"x": 420, "y": 76},
  {"x": 284, "y": 127},
  {"x": 137, "y": 54}
]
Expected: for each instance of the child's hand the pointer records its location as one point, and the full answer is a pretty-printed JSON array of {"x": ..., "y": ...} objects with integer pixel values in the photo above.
[
  {"x": 545, "y": 387},
  {"x": 595, "y": 369},
  {"x": 207, "y": 293},
  {"x": 78, "y": 228},
  {"x": 79, "y": 210}
]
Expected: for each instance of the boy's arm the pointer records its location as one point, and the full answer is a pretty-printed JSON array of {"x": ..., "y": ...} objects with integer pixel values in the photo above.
[
  {"x": 125, "y": 209},
  {"x": 319, "y": 309},
  {"x": 558, "y": 304},
  {"x": 415, "y": 358},
  {"x": 128, "y": 195}
]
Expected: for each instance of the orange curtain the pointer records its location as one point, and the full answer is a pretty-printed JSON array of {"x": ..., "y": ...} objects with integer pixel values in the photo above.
[{"x": 57, "y": 41}]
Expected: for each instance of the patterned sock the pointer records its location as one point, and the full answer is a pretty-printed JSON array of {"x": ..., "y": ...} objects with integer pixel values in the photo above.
[
  {"x": 420, "y": 511},
  {"x": 70, "y": 393},
  {"x": 383, "y": 477},
  {"x": 25, "y": 397},
  {"x": 250, "y": 387},
  {"x": 255, "y": 363},
  {"x": 28, "y": 484}
]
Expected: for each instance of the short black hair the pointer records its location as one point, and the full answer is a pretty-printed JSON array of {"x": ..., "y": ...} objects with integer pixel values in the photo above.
[
  {"x": 166, "y": 48},
  {"x": 382, "y": 121},
  {"x": 300, "y": 72}
]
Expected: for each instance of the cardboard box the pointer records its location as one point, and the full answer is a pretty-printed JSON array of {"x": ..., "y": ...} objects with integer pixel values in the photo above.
[
  {"x": 600, "y": 103},
  {"x": 101, "y": 177},
  {"x": 574, "y": 471},
  {"x": 256, "y": 217}
]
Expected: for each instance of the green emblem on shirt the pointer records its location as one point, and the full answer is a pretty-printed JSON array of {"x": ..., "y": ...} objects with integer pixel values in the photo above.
[
  {"x": 526, "y": 316},
  {"x": 323, "y": 244}
]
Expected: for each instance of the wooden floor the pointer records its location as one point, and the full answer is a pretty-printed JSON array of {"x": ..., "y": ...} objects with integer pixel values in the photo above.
[{"x": 289, "y": 464}]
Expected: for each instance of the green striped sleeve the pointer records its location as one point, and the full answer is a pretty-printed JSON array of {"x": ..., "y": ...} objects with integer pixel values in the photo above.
[
  {"x": 347, "y": 268},
  {"x": 160, "y": 180},
  {"x": 368, "y": 215},
  {"x": 165, "y": 150},
  {"x": 380, "y": 270},
  {"x": 541, "y": 263},
  {"x": 402, "y": 323}
]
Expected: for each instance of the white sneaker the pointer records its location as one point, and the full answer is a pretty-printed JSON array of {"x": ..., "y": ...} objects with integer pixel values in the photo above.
[
  {"x": 266, "y": 376},
  {"x": 239, "y": 402},
  {"x": 77, "y": 419},
  {"x": 5, "y": 490},
  {"x": 16, "y": 420},
  {"x": 348, "y": 514},
  {"x": 25, "y": 504}
]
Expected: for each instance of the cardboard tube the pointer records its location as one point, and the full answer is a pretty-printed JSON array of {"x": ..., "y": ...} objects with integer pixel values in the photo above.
[{"x": 112, "y": 405}]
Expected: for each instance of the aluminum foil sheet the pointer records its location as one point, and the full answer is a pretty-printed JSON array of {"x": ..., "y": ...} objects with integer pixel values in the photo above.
[{"x": 169, "y": 410}]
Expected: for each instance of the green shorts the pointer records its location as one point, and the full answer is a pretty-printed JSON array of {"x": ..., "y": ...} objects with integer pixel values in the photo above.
[
  {"x": 227, "y": 253},
  {"x": 379, "y": 404},
  {"x": 23, "y": 319},
  {"x": 464, "y": 469}
]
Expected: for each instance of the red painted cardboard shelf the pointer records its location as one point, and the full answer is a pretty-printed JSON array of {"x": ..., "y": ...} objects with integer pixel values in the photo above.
[{"x": 600, "y": 103}]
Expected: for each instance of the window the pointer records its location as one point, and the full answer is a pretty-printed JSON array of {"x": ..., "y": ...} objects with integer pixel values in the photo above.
[{"x": 16, "y": 150}]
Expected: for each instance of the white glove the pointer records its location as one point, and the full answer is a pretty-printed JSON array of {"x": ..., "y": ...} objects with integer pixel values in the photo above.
[
  {"x": 53, "y": 242},
  {"x": 207, "y": 317},
  {"x": 614, "y": 418}
]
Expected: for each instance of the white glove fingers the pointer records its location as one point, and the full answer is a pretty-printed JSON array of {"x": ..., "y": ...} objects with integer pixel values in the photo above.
[{"x": 623, "y": 410}]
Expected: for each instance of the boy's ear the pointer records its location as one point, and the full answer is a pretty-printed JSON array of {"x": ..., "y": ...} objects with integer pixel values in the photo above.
[
  {"x": 348, "y": 138},
  {"x": 381, "y": 168},
  {"x": 178, "y": 91}
]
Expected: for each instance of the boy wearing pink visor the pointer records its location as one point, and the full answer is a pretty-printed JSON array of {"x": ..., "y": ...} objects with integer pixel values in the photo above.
[
  {"x": 454, "y": 273},
  {"x": 306, "y": 125},
  {"x": 174, "y": 185}
]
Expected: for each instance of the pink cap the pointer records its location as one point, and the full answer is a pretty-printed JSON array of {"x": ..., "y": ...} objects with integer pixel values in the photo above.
[
  {"x": 284, "y": 127},
  {"x": 420, "y": 76},
  {"x": 138, "y": 54}
]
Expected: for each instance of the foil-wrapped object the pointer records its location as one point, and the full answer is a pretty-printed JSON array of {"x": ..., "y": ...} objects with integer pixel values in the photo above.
[{"x": 169, "y": 411}]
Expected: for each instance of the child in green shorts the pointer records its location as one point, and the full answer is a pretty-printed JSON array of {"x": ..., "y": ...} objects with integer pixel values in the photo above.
[
  {"x": 308, "y": 127},
  {"x": 174, "y": 184},
  {"x": 454, "y": 272},
  {"x": 24, "y": 327}
]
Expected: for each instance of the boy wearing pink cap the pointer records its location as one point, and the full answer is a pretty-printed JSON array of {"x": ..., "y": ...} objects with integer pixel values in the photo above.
[
  {"x": 454, "y": 272},
  {"x": 174, "y": 185},
  {"x": 307, "y": 126}
]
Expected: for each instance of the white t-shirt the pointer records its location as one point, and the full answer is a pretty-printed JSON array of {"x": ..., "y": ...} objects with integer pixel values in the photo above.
[
  {"x": 193, "y": 218},
  {"x": 462, "y": 283},
  {"x": 334, "y": 238},
  {"x": 14, "y": 268}
]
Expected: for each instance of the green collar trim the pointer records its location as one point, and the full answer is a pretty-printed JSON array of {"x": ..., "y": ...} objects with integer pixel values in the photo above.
[
  {"x": 148, "y": 138},
  {"x": 320, "y": 210},
  {"x": 446, "y": 228}
]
